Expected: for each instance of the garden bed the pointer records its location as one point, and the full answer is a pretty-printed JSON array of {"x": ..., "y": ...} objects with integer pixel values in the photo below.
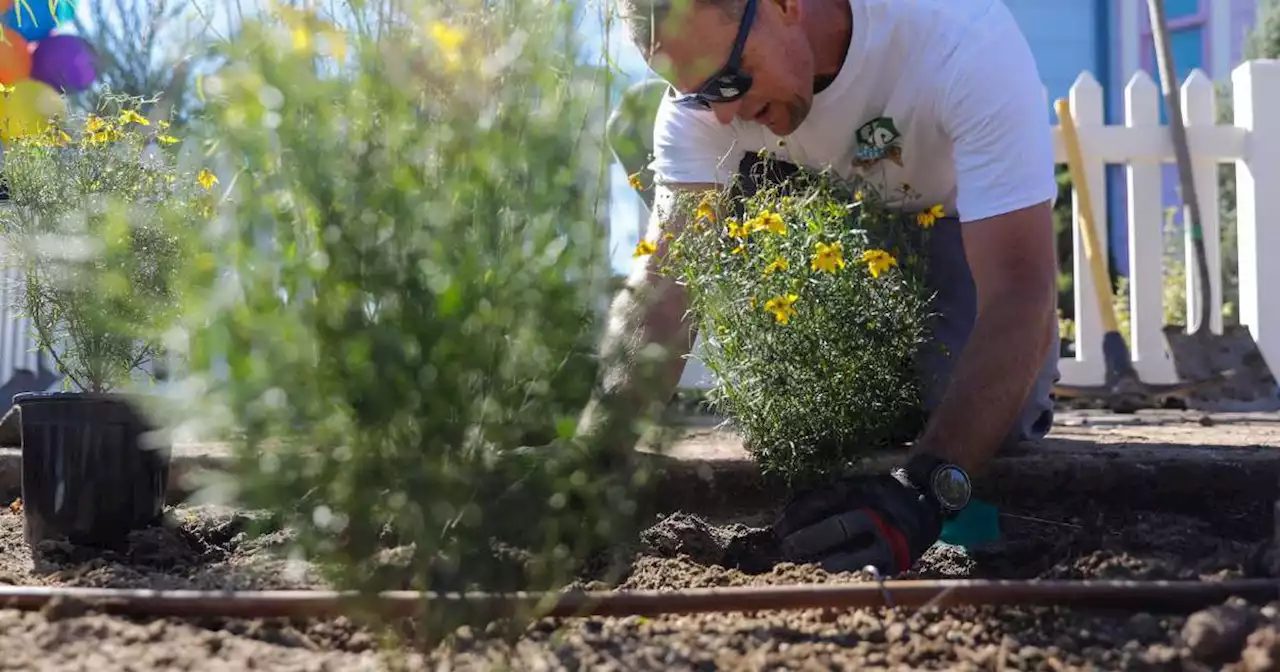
[{"x": 1073, "y": 536}]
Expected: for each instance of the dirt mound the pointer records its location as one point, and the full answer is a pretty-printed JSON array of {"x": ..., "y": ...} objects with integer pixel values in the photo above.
[{"x": 202, "y": 548}]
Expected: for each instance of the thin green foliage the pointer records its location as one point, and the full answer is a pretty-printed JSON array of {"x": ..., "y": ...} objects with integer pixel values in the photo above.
[
  {"x": 100, "y": 220},
  {"x": 812, "y": 303},
  {"x": 405, "y": 276}
]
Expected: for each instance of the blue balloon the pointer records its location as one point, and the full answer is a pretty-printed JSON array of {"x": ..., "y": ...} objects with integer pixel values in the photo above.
[{"x": 35, "y": 19}]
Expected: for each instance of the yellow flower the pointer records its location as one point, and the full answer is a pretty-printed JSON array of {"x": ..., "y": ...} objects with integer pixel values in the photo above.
[
  {"x": 878, "y": 261},
  {"x": 132, "y": 116},
  {"x": 103, "y": 136},
  {"x": 634, "y": 180},
  {"x": 778, "y": 264},
  {"x": 206, "y": 179},
  {"x": 738, "y": 249},
  {"x": 781, "y": 307},
  {"x": 301, "y": 39},
  {"x": 928, "y": 217},
  {"x": 704, "y": 211},
  {"x": 94, "y": 123},
  {"x": 828, "y": 258},
  {"x": 774, "y": 224},
  {"x": 6, "y": 89},
  {"x": 449, "y": 40},
  {"x": 166, "y": 139},
  {"x": 335, "y": 42},
  {"x": 767, "y": 221},
  {"x": 858, "y": 196},
  {"x": 738, "y": 230},
  {"x": 644, "y": 247}
]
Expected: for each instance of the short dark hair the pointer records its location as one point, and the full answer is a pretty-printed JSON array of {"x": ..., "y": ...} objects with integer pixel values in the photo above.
[{"x": 644, "y": 17}]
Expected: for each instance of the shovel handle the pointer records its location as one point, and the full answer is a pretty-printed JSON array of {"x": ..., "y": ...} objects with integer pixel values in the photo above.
[
  {"x": 1088, "y": 232},
  {"x": 1199, "y": 321}
]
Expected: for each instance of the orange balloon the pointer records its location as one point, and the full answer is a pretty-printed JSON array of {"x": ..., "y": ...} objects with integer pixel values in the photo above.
[{"x": 15, "y": 57}]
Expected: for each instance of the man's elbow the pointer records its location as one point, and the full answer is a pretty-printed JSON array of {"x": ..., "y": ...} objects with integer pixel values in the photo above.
[
  {"x": 1014, "y": 265},
  {"x": 1027, "y": 298}
]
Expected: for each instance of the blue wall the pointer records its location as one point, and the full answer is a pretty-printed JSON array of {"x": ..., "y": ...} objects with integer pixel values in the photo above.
[{"x": 1065, "y": 38}]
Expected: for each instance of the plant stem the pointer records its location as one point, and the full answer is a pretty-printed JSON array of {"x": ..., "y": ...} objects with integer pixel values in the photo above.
[{"x": 46, "y": 339}]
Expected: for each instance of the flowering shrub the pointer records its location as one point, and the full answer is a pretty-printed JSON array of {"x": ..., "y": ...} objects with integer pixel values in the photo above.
[
  {"x": 810, "y": 297},
  {"x": 99, "y": 224}
]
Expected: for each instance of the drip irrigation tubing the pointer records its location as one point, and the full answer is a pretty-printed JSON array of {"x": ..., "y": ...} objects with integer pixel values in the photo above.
[{"x": 305, "y": 604}]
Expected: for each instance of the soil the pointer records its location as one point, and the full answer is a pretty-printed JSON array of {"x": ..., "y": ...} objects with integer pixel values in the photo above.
[
  {"x": 202, "y": 548},
  {"x": 207, "y": 547}
]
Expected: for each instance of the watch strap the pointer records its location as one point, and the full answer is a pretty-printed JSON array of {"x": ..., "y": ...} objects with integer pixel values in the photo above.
[{"x": 919, "y": 470}]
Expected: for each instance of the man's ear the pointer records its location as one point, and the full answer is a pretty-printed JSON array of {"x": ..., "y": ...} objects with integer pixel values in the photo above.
[{"x": 790, "y": 11}]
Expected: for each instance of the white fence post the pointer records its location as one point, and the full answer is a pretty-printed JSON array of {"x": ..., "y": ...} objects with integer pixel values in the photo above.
[
  {"x": 1087, "y": 367},
  {"x": 1200, "y": 109},
  {"x": 1256, "y": 89},
  {"x": 1151, "y": 358}
]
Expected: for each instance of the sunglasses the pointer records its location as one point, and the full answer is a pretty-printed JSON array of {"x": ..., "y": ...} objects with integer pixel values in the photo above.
[{"x": 730, "y": 82}]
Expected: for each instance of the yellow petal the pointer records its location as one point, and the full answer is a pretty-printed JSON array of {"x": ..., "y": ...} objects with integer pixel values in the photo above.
[
  {"x": 301, "y": 39},
  {"x": 644, "y": 248},
  {"x": 206, "y": 178}
]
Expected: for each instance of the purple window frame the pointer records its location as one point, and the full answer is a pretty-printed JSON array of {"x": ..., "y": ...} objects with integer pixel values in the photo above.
[{"x": 1200, "y": 19}]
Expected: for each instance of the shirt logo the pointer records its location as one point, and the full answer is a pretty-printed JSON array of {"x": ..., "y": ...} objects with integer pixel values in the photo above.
[{"x": 878, "y": 139}]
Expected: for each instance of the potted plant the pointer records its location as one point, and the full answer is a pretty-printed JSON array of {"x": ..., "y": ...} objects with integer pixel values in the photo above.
[
  {"x": 811, "y": 298},
  {"x": 95, "y": 226}
]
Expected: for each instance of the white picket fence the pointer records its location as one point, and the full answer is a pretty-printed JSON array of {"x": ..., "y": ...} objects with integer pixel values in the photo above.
[
  {"x": 1142, "y": 145},
  {"x": 18, "y": 351}
]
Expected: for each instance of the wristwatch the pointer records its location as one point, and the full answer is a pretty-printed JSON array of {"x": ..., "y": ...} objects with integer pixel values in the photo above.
[{"x": 944, "y": 484}]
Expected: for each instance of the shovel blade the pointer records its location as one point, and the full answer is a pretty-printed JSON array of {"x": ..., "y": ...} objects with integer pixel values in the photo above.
[{"x": 1248, "y": 384}]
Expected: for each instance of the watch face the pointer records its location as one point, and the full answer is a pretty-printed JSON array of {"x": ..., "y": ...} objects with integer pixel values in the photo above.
[{"x": 951, "y": 487}]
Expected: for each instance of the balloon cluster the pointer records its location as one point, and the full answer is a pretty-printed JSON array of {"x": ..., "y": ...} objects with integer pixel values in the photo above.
[{"x": 37, "y": 66}]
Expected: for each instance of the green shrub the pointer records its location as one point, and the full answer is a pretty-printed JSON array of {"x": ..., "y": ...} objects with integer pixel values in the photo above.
[
  {"x": 100, "y": 220},
  {"x": 406, "y": 271},
  {"x": 812, "y": 307}
]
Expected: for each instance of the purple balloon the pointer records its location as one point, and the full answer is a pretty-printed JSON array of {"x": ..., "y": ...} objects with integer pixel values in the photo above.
[{"x": 65, "y": 62}]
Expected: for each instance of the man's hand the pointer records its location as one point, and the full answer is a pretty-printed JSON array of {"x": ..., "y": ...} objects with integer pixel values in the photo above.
[{"x": 882, "y": 521}]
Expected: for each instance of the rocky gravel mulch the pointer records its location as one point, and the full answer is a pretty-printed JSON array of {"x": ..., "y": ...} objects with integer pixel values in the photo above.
[{"x": 687, "y": 552}]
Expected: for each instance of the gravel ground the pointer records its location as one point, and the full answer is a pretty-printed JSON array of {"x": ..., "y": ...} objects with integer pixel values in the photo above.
[
  {"x": 208, "y": 548},
  {"x": 684, "y": 551}
]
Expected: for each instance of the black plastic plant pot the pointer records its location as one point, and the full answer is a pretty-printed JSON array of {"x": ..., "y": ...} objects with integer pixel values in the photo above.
[{"x": 90, "y": 471}]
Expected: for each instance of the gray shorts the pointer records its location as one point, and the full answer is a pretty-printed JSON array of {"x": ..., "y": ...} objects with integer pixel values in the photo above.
[{"x": 956, "y": 305}]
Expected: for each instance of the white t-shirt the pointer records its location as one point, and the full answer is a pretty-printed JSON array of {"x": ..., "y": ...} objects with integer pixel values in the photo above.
[{"x": 940, "y": 95}]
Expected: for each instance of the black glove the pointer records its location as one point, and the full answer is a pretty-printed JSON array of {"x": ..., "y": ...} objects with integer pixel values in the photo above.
[{"x": 882, "y": 521}]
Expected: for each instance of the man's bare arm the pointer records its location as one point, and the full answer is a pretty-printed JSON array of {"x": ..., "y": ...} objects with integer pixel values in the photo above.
[
  {"x": 1013, "y": 264},
  {"x": 636, "y": 378}
]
